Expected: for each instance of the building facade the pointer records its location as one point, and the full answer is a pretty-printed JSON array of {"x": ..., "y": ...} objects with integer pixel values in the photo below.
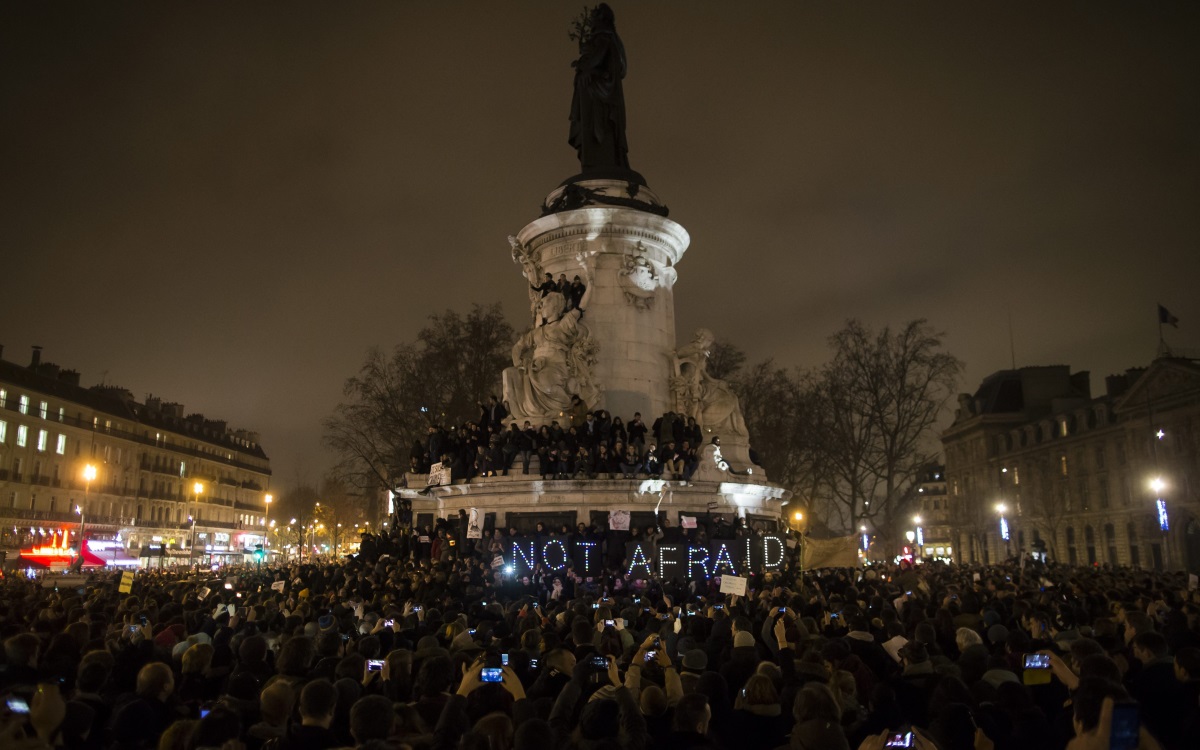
[
  {"x": 1033, "y": 456},
  {"x": 936, "y": 537},
  {"x": 164, "y": 487}
]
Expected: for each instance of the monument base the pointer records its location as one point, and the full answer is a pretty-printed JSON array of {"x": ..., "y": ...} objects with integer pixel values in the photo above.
[{"x": 520, "y": 501}]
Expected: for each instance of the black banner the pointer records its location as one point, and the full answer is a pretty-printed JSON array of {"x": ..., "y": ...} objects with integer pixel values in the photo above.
[{"x": 678, "y": 560}]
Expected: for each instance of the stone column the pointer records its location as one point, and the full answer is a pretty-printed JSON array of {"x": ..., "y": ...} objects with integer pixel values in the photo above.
[{"x": 631, "y": 311}]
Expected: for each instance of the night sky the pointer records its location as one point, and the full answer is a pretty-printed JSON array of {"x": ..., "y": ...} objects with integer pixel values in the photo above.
[{"x": 227, "y": 204}]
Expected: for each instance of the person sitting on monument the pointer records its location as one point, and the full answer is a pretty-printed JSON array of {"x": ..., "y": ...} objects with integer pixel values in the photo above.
[
  {"x": 616, "y": 432},
  {"x": 672, "y": 460},
  {"x": 546, "y": 286},
  {"x": 653, "y": 467},
  {"x": 565, "y": 461},
  {"x": 604, "y": 464},
  {"x": 563, "y": 287},
  {"x": 575, "y": 293},
  {"x": 585, "y": 464},
  {"x": 636, "y": 430},
  {"x": 589, "y": 432},
  {"x": 630, "y": 463},
  {"x": 548, "y": 460},
  {"x": 523, "y": 442},
  {"x": 692, "y": 432},
  {"x": 690, "y": 458},
  {"x": 577, "y": 412},
  {"x": 497, "y": 460}
]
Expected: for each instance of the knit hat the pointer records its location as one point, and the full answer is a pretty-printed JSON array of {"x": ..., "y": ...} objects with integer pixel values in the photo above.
[
  {"x": 695, "y": 660},
  {"x": 997, "y": 634},
  {"x": 742, "y": 639}
]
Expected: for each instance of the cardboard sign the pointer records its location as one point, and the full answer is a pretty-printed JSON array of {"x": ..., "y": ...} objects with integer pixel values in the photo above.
[
  {"x": 279, "y": 586},
  {"x": 893, "y": 647},
  {"x": 498, "y": 561},
  {"x": 423, "y": 540},
  {"x": 126, "y": 582},
  {"x": 687, "y": 522},
  {"x": 474, "y": 530},
  {"x": 733, "y": 585},
  {"x": 203, "y": 593},
  {"x": 439, "y": 474},
  {"x": 974, "y": 576}
]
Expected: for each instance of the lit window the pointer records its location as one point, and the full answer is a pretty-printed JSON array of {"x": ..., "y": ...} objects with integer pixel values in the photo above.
[
  {"x": 62, "y": 413},
  {"x": 22, "y": 435},
  {"x": 1016, "y": 475},
  {"x": 61, "y": 447},
  {"x": 43, "y": 437},
  {"x": 1064, "y": 428},
  {"x": 43, "y": 409},
  {"x": 182, "y": 468},
  {"x": 3, "y": 430},
  {"x": 23, "y": 405},
  {"x": 1063, "y": 461},
  {"x": 4, "y": 401}
]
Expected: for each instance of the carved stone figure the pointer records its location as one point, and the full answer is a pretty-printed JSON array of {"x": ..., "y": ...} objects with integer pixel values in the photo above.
[
  {"x": 552, "y": 361},
  {"x": 598, "y": 107},
  {"x": 638, "y": 278},
  {"x": 710, "y": 400},
  {"x": 529, "y": 268}
]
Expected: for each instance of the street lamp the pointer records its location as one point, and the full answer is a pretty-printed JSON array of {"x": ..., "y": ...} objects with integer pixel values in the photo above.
[
  {"x": 192, "y": 542},
  {"x": 267, "y": 520},
  {"x": 920, "y": 534},
  {"x": 89, "y": 473},
  {"x": 197, "y": 488}
]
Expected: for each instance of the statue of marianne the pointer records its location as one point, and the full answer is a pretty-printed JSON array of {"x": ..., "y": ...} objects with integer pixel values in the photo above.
[{"x": 598, "y": 107}]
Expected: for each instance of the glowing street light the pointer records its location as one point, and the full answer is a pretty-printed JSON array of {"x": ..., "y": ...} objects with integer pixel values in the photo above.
[{"x": 1158, "y": 485}]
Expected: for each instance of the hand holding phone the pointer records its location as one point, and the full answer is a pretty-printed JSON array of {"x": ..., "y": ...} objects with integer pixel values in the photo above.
[{"x": 491, "y": 674}]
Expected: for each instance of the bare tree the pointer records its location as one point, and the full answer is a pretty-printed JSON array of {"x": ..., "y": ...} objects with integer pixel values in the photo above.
[
  {"x": 725, "y": 360},
  {"x": 881, "y": 395},
  {"x": 392, "y": 401}
]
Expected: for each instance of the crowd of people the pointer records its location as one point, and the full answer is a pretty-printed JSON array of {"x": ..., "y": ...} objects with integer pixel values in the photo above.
[
  {"x": 585, "y": 444},
  {"x": 387, "y": 650}
]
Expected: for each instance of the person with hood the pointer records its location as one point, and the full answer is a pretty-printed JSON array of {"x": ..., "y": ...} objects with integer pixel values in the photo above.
[{"x": 818, "y": 723}]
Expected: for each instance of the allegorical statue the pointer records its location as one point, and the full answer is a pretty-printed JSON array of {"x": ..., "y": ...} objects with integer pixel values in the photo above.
[
  {"x": 552, "y": 361},
  {"x": 697, "y": 394},
  {"x": 598, "y": 107}
]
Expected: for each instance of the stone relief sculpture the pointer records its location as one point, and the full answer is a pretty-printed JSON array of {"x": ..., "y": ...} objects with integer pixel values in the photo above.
[
  {"x": 710, "y": 400},
  {"x": 639, "y": 279},
  {"x": 523, "y": 256},
  {"x": 552, "y": 361}
]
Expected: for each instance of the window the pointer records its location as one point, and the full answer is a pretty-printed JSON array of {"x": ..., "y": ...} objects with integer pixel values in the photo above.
[
  {"x": 1103, "y": 486},
  {"x": 1099, "y": 456},
  {"x": 4, "y": 402},
  {"x": 62, "y": 414},
  {"x": 61, "y": 447},
  {"x": 1016, "y": 475},
  {"x": 1063, "y": 463},
  {"x": 22, "y": 436},
  {"x": 23, "y": 405},
  {"x": 43, "y": 409},
  {"x": 3, "y": 430},
  {"x": 1064, "y": 427},
  {"x": 1120, "y": 454},
  {"x": 43, "y": 438}
]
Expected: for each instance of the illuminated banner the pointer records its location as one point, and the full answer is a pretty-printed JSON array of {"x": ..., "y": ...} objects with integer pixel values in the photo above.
[{"x": 680, "y": 560}]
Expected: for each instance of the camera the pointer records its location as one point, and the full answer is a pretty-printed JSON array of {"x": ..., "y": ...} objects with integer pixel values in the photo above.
[
  {"x": 900, "y": 739},
  {"x": 374, "y": 665},
  {"x": 600, "y": 663},
  {"x": 651, "y": 656},
  {"x": 17, "y": 705},
  {"x": 533, "y": 663},
  {"x": 504, "y": 659},
  {"x": 718, "y": 606},
  {"x": 491, "y": 674},
  {"x": 388, "y": 623},
  {"x": 783, "y": 610},
  {"x": 609, "y": 623}
]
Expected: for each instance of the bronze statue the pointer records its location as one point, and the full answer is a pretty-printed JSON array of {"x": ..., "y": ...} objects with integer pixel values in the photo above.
[{"x": 598, "y": 107}]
